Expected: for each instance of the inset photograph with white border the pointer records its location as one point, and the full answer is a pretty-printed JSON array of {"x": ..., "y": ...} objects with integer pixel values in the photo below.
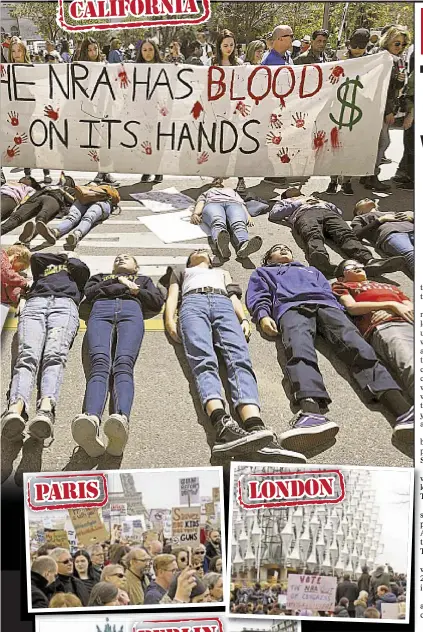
[
  {"x": 320, "y": 541},
  {"x": 125, "y": 622},
  {"x": 136, "y": 539}
]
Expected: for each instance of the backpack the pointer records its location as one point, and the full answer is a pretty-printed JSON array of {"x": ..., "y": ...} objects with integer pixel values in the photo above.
[{"x": 90, "y": 193}]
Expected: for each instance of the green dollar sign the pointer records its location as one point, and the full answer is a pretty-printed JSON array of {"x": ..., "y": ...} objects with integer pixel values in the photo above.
[{"x": 342, "y": 95}]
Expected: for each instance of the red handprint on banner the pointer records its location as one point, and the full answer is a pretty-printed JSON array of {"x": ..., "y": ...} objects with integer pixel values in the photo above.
[
  {"x": 146, "y": 147},
  {"x": 299, "y": 120},
  {"x": 275, "y": 121},
  {"x": 11, "y": 152},
  {"x": 123, "y": 77},
  {"x": 283, "y": 155},
  {"x": 202, "y": 158},
  {"x": 319, "y": 140},
  {"x": 51, "y": 113},
  {"x": 94, "y": 156},
  {"x": 336, "y": 73},
  {"x": 197, "y": 108},
  {"x": 13, "y": 119},
  {"x": 243, "y": 108},
  {"x": 273, "y": 139},
  {"x": 20, "y": 139}
]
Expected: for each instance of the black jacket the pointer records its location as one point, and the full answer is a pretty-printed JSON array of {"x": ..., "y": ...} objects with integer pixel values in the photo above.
[
  {"x": 349, "y": 590},
  {"x": 70, "y": 584},
  {"x": 41, "y": 592},
  {"x": 364, "y": 583},
  {"x": 212, "y": 551},
  {"x": 58, "y": 275},
  {"x": 107, "y": 286}
]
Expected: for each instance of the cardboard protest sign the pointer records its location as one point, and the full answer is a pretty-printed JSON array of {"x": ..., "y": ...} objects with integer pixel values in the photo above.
[
  {"x": 311, "y": 592},
  {"x": 58, "y": 537},
  {"x": 186, "y": 525},
  {"x": 216, "y": 494},
  {"x": 192, "y": 120},
  {"x": 210, "y": 511},
  {"x": 88, "y": 525}
]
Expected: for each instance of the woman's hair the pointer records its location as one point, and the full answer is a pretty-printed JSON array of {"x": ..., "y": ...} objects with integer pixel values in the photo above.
[
  {"x": 27, "y": 59},
  {"x": 134, "y": 260},
  {"x": 102, "y": 593},
  {"x": 90, "y": 570},
  {"x": 392, "y": 33},
  {"x": 363, "y": 595},
  {"x": 115, "y": 43},
  {"x": 65, "y": 46},
  {"x": 213, "y": 564},
  {"x": 32, "y": 182},
  {"x": 83, "y": 53},
  {"x": 65, "y": 600},
  {"x": 24, "y": 256},
  {"x": 251, "y": 50},
  {"x": 217, "y": 59},
  {"x": 117, "y": 552},
  {"x": 211, "y": 579},
  {"x": 157, "y": 57}
]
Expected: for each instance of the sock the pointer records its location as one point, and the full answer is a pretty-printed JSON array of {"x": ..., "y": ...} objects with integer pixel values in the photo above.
[
  {"x": 217, "y": 415},
  {"x": 309, "y": 405},
  {"x": 395, "y": 402},
  {"x": 253, "y": 423}
]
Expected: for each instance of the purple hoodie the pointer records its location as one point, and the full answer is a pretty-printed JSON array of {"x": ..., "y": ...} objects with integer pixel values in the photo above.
[{"x": 274, "y": 289}]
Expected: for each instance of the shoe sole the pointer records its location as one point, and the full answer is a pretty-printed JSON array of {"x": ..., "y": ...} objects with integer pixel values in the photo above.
[
  {"x": 254, "y": 441},
  {"x": 40, "y": 429},
  {"x": 305, "y": 440},
  {"x": 267, "y": 455},
  {"x": 254, "y": 244},
  {"x": 331, "y": 192},
  {"x": 394, "y": 264},
  {"x": 28, "y": 232},
  {"x": 43, "y": 231},
  {"x": 71, "y": 241},
  {"x": 117, "y": 436},
  {"x": 404, "y": 433},
  {"x": 13, "y": 429},
  {"x": 223, "y": 241},
  {"x": 84, "y": 433}
]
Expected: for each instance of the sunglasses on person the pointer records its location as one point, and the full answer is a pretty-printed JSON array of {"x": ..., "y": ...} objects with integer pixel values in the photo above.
[
  {"x": 353, "y": 266},
  {"x": 398, "y": 44},
  {"x": 68, "y": 561},
  {"x": 199, "y": 552},
  {"x": 142, "y": 559},
  {"x": 120, "y": 575}
]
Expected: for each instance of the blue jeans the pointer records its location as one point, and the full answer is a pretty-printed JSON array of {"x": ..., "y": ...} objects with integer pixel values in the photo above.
[
  {"x": 47, "y": 327},
  {"x": 229, "y": 216},
  {"x": 120, "y": 321},
  {"x": 83, "y": 217},
  {"x": 208, "y": 323},
  {"x": 401, "y": 244}
]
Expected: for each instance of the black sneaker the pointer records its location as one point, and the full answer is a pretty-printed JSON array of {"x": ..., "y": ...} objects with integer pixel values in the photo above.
[
  {"x": 41, "y": 426},
  {"x": 28, "y": 232},
  {"x": 49, "y": 234},
  {"x": 241, "y": 187},
  {"x": 145, "y": 177},
  {"x": 322, "y": 262},
  {"x": 406, "y": 186},
  {"x": 404, "y": 427},
  {"x": 332, "y": 188},
  {"x": 99, "y": 178},
  {"x": 223, "y": 241},
  {"x": 109, "y": 179},
  {"x": 274, "y": 453},
  {"x": 278, "y": 181},
  {"x": 3, "y": 178},
  {"x": 347, "y": 189},
  {"x": 157, "y": 179},
  {"x": 12, "y": 426},
  {"x": 374, "y": 267},
  {"x": 47, "y": 180},
  {"x": 231, "y": 439},
  {"x": 375, "y": 184}
]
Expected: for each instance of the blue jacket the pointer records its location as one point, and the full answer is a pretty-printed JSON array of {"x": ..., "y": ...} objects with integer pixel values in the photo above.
[
  {"x": 387, "y": 598},
  {"x": 289, "y": 210},
  {"x": 274, "y": 289},
  {"x": 276, "y": 59}
]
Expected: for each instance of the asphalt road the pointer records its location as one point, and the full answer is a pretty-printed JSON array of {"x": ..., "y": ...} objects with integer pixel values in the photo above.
[{"x": 167, "y": 424}]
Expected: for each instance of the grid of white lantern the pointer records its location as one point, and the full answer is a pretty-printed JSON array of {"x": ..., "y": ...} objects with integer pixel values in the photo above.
[{"x": 329, "y": 539}]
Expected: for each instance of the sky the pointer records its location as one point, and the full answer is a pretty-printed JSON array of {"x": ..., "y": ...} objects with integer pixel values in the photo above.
[{"x": 160, "y": 488}]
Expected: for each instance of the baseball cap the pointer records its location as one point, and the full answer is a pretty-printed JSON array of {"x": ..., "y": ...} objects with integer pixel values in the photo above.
[
  {"x": 360, "y": 38},
  {"x": 296, "y": 43}
]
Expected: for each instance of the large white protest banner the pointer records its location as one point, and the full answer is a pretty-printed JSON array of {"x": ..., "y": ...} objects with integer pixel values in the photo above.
[
  {"x": 178, "y": 119},
  {"x": 311, "y": 592}
]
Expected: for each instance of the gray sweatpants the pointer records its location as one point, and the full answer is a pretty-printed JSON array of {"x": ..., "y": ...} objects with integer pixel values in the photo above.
[{"x": 394, "y": 344}]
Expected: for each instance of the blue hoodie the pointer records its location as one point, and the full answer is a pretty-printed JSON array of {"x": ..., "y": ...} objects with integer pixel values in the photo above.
[
  {"x": 387, "y": 598},
  {"x": 275, "y": 288}
]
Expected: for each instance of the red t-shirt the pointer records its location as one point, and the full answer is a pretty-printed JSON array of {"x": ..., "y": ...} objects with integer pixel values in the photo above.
[{"x": 371, "y": 291}]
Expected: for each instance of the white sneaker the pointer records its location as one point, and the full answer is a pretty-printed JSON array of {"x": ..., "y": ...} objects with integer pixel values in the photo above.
[
  {"x": 86, "y": 433},
  {"x": 116, "y": 429}
]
